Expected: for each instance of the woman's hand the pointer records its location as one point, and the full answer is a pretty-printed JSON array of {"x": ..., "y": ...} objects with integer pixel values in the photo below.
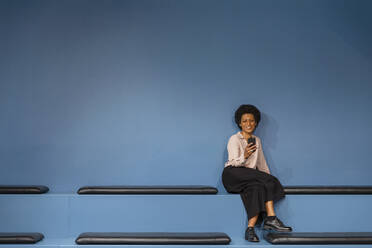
[{"x": 249, "y": 150}]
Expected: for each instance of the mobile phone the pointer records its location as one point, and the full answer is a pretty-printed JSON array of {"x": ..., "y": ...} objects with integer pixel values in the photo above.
[{"x": 252, "y": 140}]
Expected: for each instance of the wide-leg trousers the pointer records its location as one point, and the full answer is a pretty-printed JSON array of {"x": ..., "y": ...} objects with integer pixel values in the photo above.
[{"x": 255, "y": 188}]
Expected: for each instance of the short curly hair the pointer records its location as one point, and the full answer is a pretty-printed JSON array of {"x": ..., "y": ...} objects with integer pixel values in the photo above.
[{"x": 247, "y": 109}]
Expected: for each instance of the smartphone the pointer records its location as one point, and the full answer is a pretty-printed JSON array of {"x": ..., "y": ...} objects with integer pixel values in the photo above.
[{"x": 252, "y": 140}]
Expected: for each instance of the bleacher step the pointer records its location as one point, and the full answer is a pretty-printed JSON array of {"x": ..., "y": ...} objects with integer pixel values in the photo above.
[
  {"x": 67, "y": 215},
  {"x": 235, "y": 243}
]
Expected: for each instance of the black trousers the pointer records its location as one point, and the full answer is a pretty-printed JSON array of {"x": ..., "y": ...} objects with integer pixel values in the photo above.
[{"x": 255, "y": 188}]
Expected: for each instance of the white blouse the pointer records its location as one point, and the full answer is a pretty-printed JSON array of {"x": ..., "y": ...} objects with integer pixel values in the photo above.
[{"x": 236, "y": 147}]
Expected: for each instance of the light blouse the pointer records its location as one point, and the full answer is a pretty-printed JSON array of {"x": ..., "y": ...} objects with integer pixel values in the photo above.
[{"x": 236, "y": 147}]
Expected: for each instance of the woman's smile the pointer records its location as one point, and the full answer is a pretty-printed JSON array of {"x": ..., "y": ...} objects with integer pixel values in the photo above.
[{"x": 248, "y": 123}]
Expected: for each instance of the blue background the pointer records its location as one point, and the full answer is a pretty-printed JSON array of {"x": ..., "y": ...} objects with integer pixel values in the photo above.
[{"x": 144, "y": 92}]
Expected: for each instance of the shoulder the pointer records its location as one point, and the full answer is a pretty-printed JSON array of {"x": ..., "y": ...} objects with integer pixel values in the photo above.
[{"x": 235, "y": 138}]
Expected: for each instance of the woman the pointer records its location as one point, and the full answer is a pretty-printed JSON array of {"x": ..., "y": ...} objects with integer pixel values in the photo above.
[{"x": 247, "y": 173}]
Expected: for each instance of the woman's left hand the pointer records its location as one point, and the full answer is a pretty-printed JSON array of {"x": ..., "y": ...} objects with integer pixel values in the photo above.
[{"x": 249, "y": 150}]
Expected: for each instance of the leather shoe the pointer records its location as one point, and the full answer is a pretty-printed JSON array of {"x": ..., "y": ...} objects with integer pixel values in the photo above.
[
  {"x": 276, "y": 225},
  {"x": 250, "y": 235}
]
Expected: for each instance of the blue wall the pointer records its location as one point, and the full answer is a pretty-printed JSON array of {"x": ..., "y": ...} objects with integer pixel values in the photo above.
[{"x": 143, "y": 92}]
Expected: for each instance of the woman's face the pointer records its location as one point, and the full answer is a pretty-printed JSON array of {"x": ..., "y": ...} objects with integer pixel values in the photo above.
[{"x": 248, "y": 123}]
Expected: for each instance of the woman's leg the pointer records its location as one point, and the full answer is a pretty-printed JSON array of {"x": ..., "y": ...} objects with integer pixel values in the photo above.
[
  {"x": 272, "y": 222},
  {"x": 270, "y": 212},
  {"x": 270, "y": 208},
  {"x": 257, "y": 189},
  {"x": 250, "y": 234},
  {"x": 252, "y": 221}
]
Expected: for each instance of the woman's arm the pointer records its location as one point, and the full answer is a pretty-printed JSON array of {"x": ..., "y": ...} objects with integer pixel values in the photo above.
[
  {"x": 261, "y": 161},
  {"x": 235, "y": 155}
]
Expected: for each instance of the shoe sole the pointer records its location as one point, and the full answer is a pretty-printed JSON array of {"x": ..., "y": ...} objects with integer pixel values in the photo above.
[
  {"x": 246, "y": 238},
  {"x": 269, "y": 228},
  {"x": 252, "y": 241}
]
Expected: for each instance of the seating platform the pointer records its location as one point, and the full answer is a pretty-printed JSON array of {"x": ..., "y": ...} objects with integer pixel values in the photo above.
[
  {"x": 63, "y": 217},
  {"x": 23, "y": 189},
  {"x": 289, "y": 190},
  {"x": 157, "y": 238},
  {"x": 326, "y": 238},
  {"x": 147, "y": 190},
  {"x": 328, "y": 190},
  {"x": 68, "y": 215},
  {"x": 236, "y": 242},
  {"x": 20, "y": 238}
]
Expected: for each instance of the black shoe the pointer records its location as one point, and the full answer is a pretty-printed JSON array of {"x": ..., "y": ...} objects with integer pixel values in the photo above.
[
  {"x": 276, "y": 225},
  {"x": 250, "y": 235}
]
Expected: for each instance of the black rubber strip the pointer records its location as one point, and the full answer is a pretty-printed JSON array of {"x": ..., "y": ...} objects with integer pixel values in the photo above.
[
  {"x": 20, "y": 238},
  {"x": 23, "y": 189},
  {"x": 147, "y": 190},
  {"x": 328, "y": 190},
  {"x": 310, "y": 238},
  {"x": 156, "y": 238}
]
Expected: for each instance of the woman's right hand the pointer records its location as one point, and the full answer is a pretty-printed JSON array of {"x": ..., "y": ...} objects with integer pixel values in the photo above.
[{"x": 249, "y": 150}]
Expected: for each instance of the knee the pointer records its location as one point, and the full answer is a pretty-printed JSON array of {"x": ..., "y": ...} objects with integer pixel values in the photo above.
[
  {"x": 270, "y": 185},
  {"x": 258, "y": 189}
]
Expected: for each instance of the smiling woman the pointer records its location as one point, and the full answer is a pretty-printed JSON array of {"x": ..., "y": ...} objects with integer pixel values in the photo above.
[{"x": 246, "y": 172}]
